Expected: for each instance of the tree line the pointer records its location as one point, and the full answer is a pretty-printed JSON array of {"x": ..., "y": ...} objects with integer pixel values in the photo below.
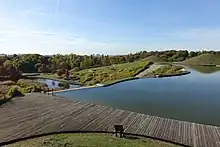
[{"x": 33, "y": 63}]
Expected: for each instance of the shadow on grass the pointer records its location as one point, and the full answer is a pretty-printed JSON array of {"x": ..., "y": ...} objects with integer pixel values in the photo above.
[{"x": 131, "y": 137}]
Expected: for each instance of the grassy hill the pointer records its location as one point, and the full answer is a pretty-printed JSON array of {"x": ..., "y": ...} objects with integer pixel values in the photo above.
[
  {"x": 205, "y": 59},
  {"x": 154, "y": 59},
  {"x": 165, "y": 70}
]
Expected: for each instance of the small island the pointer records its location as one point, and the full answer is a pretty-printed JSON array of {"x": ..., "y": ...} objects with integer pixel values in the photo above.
[{"x": 167, "y": 70}]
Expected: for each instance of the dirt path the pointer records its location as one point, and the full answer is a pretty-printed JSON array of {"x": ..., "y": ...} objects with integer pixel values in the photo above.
[{"x": 150, "y": 69}]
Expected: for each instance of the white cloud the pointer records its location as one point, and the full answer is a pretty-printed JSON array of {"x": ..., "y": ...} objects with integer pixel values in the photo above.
[
  {"x": 17, "y": 41},
  {"x": 34, "y": 41},
  {"x": 15, "y": 37},
  {"x": 21, "y": 31}
]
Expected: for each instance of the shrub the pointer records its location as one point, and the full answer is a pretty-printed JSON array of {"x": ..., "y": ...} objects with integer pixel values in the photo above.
[
  {"x": 28, "y": 89},
  {"x": 75, "y": 69},
  {"x": 24, "y": 83},
  {"x": 33, "y": 88},
  {"x": 150, "y": 63},
  {"x": 96, "y": 81},
  {"x": 90, "y": 83},
  {"x": 74, "y": 78},
  {"x": 3, "y": 90},
  {"x": 90, "y": 75},
  {"x": 60, "y": 72},
  {"x": 64, "y": 85},
  {"x": 86, "y": 79},
  {"x": 15, "y": 91}
]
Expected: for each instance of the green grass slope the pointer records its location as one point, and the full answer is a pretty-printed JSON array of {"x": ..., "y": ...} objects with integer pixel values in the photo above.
[
  {"x": 88, "y": 140},
  {"x": 166, "y": 70},
  {"x": 111, "y": 73},
  {"x": 154, "y": 59},
  {"x": 205, "y": 59}
]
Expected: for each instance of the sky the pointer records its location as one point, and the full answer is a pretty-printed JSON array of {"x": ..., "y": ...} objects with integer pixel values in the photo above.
[{"x": 108, "y": 26}]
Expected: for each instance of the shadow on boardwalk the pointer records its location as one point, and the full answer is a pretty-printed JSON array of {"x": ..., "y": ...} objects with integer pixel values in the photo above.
[{"x": 38, "y": 114}]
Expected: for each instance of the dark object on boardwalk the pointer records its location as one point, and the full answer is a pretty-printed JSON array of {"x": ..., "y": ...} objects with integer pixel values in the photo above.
[{"x": 119, "y": 129}]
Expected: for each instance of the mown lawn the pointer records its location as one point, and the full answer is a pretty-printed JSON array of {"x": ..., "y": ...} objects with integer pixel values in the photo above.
[
  {"x": 109, "y": 74},
  {"x": 88, "y": 140}
]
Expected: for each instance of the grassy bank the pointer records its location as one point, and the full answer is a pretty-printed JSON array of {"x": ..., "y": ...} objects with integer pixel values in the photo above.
[
  {"x": 166, "y": 70},
  {"x": 205, "y": 59},
  {"x": 88, "y": 140},
  {"x": 109, "y": 74}
]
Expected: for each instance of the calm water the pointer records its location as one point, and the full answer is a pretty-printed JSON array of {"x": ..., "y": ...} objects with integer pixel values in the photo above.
[
  {"x": 54, "y": 83},
  {"x": 194, "y": 97}
]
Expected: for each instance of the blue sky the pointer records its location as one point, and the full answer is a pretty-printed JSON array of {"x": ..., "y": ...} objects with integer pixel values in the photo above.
[{"x": 108, "y": 26}]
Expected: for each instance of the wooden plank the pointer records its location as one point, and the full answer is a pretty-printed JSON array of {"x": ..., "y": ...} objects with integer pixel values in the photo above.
[
  {"x": 149, "y": 128},
  {"x": 162, "y": 130},
  {"x": 107, "y": 124},
  {"x": 38, "y": 114},
  {"x": 92, "y": 123},
  {"x": 141, "y": 125},
  {"x": 186, "y": 133}
]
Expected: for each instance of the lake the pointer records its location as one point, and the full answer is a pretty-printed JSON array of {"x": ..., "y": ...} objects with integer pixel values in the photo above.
[
  {"x": 194, "y": 97},
  {"x": 54, "y": 83}
]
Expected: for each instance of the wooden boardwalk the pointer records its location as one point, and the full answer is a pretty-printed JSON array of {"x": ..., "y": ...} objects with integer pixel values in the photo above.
[{"x": 37, "y": 114}]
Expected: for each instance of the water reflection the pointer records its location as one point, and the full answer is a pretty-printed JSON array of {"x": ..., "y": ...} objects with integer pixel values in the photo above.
[
  {"x": 194, "y": 97},
  {"x": 54, "y": 83},
  {"x": 205, "y": 69}
]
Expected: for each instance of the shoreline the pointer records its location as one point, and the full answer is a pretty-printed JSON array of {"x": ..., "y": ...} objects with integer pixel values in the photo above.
[
  {"x": 169, "y": 75},
  {"x": 120, "y": 81},
  {"x": 60, "y": 80},
  {"x": 73, "y": 89},
  {"x": 134, "y": 77},
  {"x": 174, "y": 75},
  {"x": 212, "y": 65}
]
